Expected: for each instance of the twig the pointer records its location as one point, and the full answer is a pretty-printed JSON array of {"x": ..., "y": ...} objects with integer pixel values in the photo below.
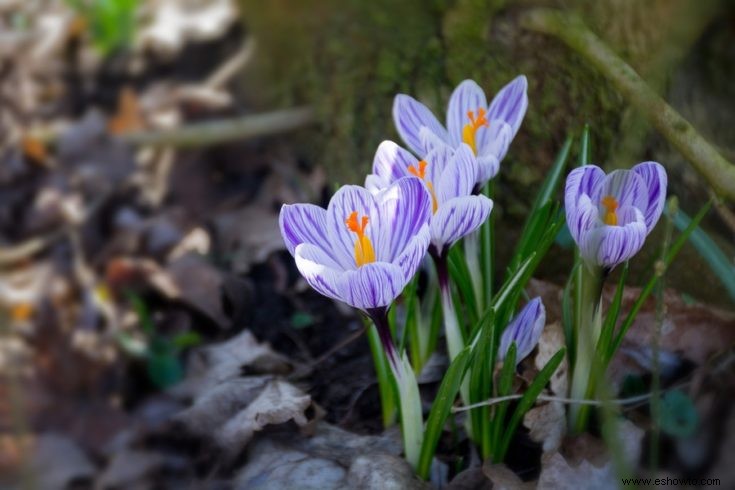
[
  {"x": 232, "y": 66},
  {"x": 214, "y": 132},
  {"x": 570, "y": 401},
  {"x": 715, "y": 168}
]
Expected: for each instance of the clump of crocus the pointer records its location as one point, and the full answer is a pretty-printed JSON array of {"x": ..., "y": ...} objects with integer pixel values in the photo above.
[
  {"x": 609, "y": 216},
  {"x": 524, "y": 330},
  {"x": 486, "y": 129},
  {"x": 449, "y": 177},
  {"x": 363, "y": 250}
]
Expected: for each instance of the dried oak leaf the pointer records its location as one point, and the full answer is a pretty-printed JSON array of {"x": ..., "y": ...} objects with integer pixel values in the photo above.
[
  {"x": 278, "y": 403},
  {"x": 547, "y": 422}
]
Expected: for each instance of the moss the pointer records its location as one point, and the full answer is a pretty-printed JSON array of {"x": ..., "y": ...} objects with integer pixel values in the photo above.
[{"x": 349, "y": 59}]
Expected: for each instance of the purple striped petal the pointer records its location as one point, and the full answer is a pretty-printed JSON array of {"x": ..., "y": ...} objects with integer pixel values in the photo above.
[
  {"x": 458, "y": 178},
  {"x": 627, "y": 187},
  {"x": 525, "y": 330},
  {"x": 436, "y": 161},
  {"x": 654, "y": 176},
  {"x": 303, "y": 223},
  {"x": 410, "y": 259},
  {"x": 404, "y": 208},
  {"x": 431, "y": 141},
  {"x": 347, "y": 199},
  {"x": 319, "y": 270},
  {"x": 457, "y": 218},
  {"x": 608, "y": 246},
  {"x": 409, "y": 115},
  {"x": 494, "y": 139},
  {"x": 581, "y": 181},
  {"x": 510, "y": 103},
  {"x": 582, "y": 217},
  {"x": 374, "y": 183},
  {"x": 468, "y": 96},
  {"x": 372, "y": 286},
  {"x": 487, "y": 168},
  {"x": 391, "y": 162}
]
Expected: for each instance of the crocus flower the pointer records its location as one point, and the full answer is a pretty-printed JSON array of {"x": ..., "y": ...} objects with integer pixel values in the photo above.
[
  {"x": 525, "y": 330},
  {"x": 609, "y": 216},
  {"x": 487, "y": 130},
  {"x": 364, "y": 248},
  {"x": 449, "y": 177}
]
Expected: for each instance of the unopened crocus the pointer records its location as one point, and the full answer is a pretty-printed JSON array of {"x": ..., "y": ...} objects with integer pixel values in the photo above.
[
  {"x": 448, "y": 176},
  {"x": 363, "y": 250},
  {"x": 609, "y": 216},
  {"x": 524, "y": 330},
  {"x": 486, "y": 129}
]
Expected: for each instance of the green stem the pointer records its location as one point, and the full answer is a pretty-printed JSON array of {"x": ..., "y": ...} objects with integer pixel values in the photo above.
[
  {"x": 409, "y": 398},
  {"x": 716, "y": 169},
  {"x": 382, "y": 372},
  {"x": 474, "y": 265},
  {"x": 588, "y": 326}
]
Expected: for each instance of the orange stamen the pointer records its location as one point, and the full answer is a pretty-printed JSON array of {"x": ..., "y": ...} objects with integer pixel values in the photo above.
[
  {"x": 477, "y": 119},
  {"x": 420, "y": 172},
  {"x": 611, "y": 205},
  {"x": 364, "y": 252}
]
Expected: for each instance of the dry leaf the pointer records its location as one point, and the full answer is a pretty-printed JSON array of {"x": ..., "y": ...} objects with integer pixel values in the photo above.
[
  {"x": 128, "y": 117},
  {"x": 248, "y": 235},
  {"x": 199, "y": 285},
  {"x": 547, "y": 422},
  {"x": 503, "y": 478},
  {"x": 130, "y": 468},
  {"x": 214, "y": 364},
  {"x": 383, "y": 472},
  {"x": 278, "y": 403},
  {"x": 177, "y": 22},
  {"x": 275, "y": 466},
  {"x": 58, "y": 461}
]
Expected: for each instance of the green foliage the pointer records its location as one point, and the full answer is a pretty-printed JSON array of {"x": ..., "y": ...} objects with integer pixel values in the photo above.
[
  {"x": 302, "y": 319},
  {"x": 162, "y": 354},
  {"x": 678, "y": 415},
  {"x": 111, "y": 22}
]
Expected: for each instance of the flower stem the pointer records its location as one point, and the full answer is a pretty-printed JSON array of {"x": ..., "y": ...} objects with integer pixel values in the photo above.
[
  {"x": 409, "y": 398},
  {"x": 472, "y": 255},
  {"x": 588, "y": 325},
  {"x": 452, "y": 330},
  {"x": 382, "y": 372}
]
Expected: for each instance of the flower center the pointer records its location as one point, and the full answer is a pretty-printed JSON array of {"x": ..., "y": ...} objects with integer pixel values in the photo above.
[
  {"x": 420, "y": 172},
  {"x": 364, "y": 253},
  {"x": 611, "y": 205},
  {"x": 478, "y": 119}
]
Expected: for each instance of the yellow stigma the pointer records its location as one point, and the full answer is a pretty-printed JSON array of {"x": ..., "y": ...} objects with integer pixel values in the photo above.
[
  {"x": 364, "y": 253},
  {"x": 470, "y": 129},
  {"x": 611, "y": 205},
  {"x": 420, "y": 172}
]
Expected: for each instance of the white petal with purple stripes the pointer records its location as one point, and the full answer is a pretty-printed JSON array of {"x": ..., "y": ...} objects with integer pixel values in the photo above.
[
  {"x": 654, "y": 176},
  {"x": 458, "y": 178},
  {"x": 510, "y": 103},
  {"x": 404, "y": 207},
  {"x": 391, "y": 162},
  {"x": 302, "y": 223},
  {"x": 347, "y": 199},
  {"x": 409, "y": 116},
  {"x": 609, "y": 246},
  {"x": 457, "y": 218},
  {"x": 467, "y": 97},
  {"x": 371, "y": 286}
]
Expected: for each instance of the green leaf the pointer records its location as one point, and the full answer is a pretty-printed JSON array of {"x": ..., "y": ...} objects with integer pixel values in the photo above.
[
  {"x": 165, "y": 369},
  {"x": 440, "y": 410},
  {"x": 584, "y": 146},
  {"x": 715, "y": 258},
  {"x": 302, "y": 319},
  {"x": 553, "y": 178},
  {"x": 186, "y": 340},
  {"x": 527, "y": 401},
  {"x": 481, "y": 380},
  {"x": 461, "y": 278},
  {"x": 678, "y": 415}
]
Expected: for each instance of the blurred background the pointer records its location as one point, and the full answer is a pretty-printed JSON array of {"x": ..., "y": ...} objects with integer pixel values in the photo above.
[{"x": 146, "y": 147}]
